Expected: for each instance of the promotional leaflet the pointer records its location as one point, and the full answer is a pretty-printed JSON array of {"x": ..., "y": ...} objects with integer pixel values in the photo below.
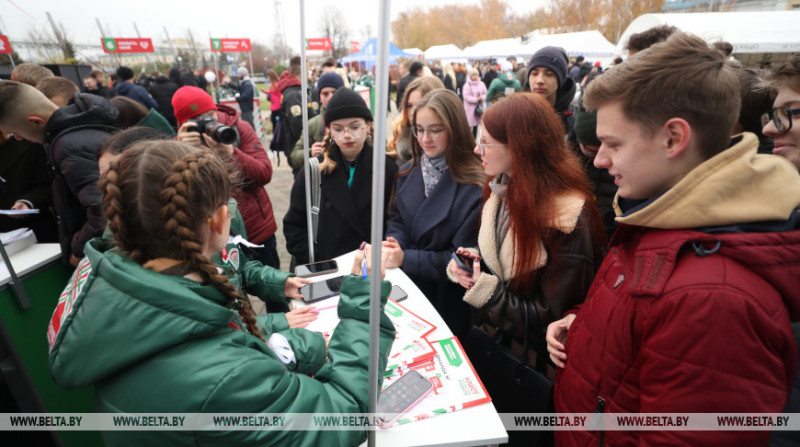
[{"x": 455, "y": 384}]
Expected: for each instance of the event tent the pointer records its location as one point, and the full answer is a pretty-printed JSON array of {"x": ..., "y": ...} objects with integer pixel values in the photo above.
[
  {"x": 486, "y": 49},
  {"x": 748, "y": 32},
  {"x": 590, "y": 44},
  {"x": 445, "y": 53},
  {"x": 369, "y": 54},
  {"x": 413, "y": 52}
]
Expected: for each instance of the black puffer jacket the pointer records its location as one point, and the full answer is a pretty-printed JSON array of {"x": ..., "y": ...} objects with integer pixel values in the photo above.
[
  {"x": 72, "y": 136},
  {"x": 162, "y": 90}
]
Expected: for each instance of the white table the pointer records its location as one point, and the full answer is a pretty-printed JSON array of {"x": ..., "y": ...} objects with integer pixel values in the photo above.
[
  {"x": 30, "y": 259},
  {"x": 479, "y": 425}
]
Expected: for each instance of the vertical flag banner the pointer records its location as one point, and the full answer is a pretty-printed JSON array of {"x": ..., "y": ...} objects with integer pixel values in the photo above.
[
  {"x": 127, "y": 45},
  {"x": 355, "y": 47},
  {"x": 231, "y": 45},
  {"x": 5, "y": 45}
]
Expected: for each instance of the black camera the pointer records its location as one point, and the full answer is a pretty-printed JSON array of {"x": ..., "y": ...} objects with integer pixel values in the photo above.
[{"x": 214, "y": 129}]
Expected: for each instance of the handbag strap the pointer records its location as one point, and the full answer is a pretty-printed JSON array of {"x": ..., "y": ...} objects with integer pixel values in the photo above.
[{"x": 316, "y": 192}]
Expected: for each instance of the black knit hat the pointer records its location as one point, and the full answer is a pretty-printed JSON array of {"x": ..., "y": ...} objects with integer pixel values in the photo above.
[
  {"x": 330, "y": 79},
  {"x": 554, "y": 58},
  {"x": 346, "y": 103}
]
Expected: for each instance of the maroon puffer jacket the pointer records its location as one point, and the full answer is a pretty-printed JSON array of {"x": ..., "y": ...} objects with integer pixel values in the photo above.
[
  {"x": 253, "y": 161},
  {"x": 665, "y": 329}
]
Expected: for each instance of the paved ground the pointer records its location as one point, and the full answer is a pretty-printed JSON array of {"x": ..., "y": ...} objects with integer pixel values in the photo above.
[{"x": 278, "y": 190}]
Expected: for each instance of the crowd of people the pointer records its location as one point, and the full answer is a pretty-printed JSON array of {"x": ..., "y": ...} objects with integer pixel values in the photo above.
[{"x": 632, "y": 230}]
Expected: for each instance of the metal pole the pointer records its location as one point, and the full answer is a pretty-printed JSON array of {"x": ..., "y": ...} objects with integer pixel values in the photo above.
[
  {"x": 214, "y": 56},
  {"x": 171, "y": 46},
  {"x": 146, "y": 55},
  {"x": 304, "y": 106},
  {"x": 113, "y": 56},
  {"x": 378, "y": 175}
]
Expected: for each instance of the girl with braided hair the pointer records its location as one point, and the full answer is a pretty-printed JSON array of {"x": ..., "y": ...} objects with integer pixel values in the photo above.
[{"x": 156, "y": 327}]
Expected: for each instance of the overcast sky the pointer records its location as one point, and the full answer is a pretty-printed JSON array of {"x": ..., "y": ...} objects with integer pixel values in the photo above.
[{"x": 220, "y": 18}]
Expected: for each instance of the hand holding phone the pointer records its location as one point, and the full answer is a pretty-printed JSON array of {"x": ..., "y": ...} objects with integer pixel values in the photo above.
[
  {"x": 401, "y": 396},
  {"x": 464, "y": 260}
]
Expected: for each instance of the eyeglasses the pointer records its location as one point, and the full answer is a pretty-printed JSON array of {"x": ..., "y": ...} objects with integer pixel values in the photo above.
[
  {"x": 482, "y": 145},
  {"x": 781, "y": 117},
  {"x": 433, "y": 134},
  {"x": 337, "y": 133}
]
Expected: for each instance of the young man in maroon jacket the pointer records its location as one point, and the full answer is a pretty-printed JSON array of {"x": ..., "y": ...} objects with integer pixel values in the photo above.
[{"x": 690, "y": 311}]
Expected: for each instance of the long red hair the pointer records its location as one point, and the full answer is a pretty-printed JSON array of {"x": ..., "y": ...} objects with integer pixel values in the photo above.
[{"x": 542, "y": 168}]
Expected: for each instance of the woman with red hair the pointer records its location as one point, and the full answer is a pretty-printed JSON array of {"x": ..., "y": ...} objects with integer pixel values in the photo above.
[{"x": 541, "y": 237}]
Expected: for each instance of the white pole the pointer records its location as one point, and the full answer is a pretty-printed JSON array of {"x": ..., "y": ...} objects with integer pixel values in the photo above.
[
  {"x": 304, "y": 107},
  {"x": 378, "y": 175}
]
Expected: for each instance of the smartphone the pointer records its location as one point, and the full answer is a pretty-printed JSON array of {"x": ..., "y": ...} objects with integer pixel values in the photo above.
[
  {"x": 398, "y": 294},
  {"x": 316, "y": 268},
  {"x": 463, "y": 262},
  {"x": 322, "y": 289},
  {"x": 401, "y": 396}
]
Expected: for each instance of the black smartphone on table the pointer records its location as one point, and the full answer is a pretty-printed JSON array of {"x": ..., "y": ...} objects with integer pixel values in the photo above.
[
  {"x": 321, "y": 289},
  {"x": 316, "y": 268},
  {"x": 402, "y": 395}
]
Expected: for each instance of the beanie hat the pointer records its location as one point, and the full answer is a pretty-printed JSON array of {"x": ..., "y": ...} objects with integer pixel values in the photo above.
[
  {"x": 346, "y": 103},
  {"x": 553, "y": 58},
  {"x": 242, "y": 71},
  {"x": 330, "y": 79},
  {"x": 124, "y": 73},
  {"x": 189, "y": 101},
  {"x": 585, "y": 125}
]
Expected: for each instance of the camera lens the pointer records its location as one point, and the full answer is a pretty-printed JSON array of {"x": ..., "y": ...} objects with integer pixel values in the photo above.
[{"x": 224, "y": 134}]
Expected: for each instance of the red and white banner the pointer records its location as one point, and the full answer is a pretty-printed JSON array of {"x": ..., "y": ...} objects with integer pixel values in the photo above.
[
  {"x": 128, "y": 45},
  {"x": 5, "y": 45},
  {"x": 231, "y": 45},
  {"x": 321, "y": 43},
  {"x": 355, "y": 47}
]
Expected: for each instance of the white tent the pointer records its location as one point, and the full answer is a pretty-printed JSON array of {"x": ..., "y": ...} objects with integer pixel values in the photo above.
[
  {"x": 748, "y": 32},
  {"x": 486, "y": 49},
  {"x": 445, "y": 53},
  {"x": 413, "y": 52},
  {"x": 590, "y": 44}
]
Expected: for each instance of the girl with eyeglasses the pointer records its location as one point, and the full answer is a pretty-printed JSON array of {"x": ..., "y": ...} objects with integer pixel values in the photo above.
[
  {"x": 400, "y": 142},
  {"x": 541, "y": 237},
  {"x": 346, "y": 184},
  {"x": 436, "y": 206},
  {"x": 782, "y": 123}
]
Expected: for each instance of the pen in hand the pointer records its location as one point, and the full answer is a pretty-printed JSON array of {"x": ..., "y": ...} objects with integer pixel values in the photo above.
[{"x": 363, "y": 248}]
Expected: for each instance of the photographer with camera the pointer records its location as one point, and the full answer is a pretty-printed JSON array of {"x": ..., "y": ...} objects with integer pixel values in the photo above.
[{"x": 217, "y": 126}]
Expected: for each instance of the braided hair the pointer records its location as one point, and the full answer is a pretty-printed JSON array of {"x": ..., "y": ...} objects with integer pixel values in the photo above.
[{"x": 157, "y": 197}]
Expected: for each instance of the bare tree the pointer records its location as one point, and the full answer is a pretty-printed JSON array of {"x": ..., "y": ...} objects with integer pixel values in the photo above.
[
  {"x": 47, "y": 49},
  {"x": 334, "y": 26}
]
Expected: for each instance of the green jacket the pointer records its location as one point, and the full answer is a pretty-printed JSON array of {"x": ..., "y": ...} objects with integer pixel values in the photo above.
[
  {"x": 152, "y": 343},
  {"x": 315, "y": 134},
  {"x": 156, "y": 121},
  {"x": 503, "y": 83},
  {"x": 253, "y": 277}
]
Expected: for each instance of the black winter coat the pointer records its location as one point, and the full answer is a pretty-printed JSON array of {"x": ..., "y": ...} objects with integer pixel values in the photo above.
[
  {"x": 345, "y": 213},
  {"x": 24, "y": 173},
  {"x": 72, "y": 135},
  {"x": 162, "y": 90}
]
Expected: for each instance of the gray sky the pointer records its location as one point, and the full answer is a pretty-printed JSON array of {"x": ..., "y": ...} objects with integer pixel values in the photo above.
[{"x": 242, "y": 18}]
